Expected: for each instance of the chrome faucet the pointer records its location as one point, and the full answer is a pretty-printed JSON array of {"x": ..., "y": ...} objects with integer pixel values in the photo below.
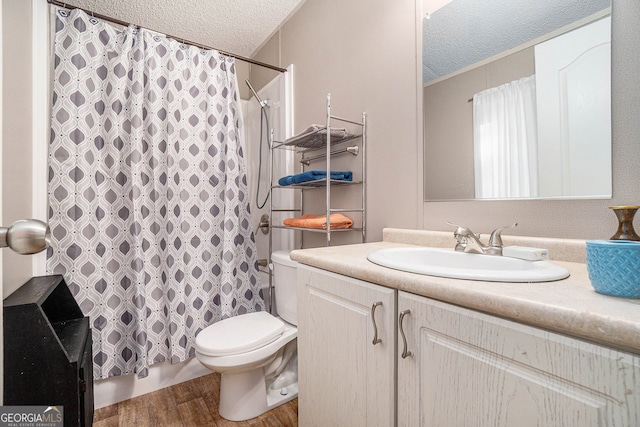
[{"x": 470, "y": 242}]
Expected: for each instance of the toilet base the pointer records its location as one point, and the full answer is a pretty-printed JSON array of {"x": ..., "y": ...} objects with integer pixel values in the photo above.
[
  {"x": 244, "y": 395},
  {"x": 276, "y": 398}
]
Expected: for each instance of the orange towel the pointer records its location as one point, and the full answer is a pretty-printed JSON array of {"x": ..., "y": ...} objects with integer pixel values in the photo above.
[{"x": 318, "y": 221}]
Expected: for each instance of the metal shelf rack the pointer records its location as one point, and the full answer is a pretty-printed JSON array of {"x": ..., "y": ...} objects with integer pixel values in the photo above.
[{"x": 313, "y": 146}]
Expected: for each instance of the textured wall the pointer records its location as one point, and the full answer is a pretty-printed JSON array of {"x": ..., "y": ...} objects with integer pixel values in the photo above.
[
  {"x": 17, "y": 134},
  {"x": 363, "y": 52},
  {"x": 579, "y": 219}
]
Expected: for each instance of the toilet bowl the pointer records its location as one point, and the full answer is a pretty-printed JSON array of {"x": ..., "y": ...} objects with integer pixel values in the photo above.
[{"x": 256, "y": 353}]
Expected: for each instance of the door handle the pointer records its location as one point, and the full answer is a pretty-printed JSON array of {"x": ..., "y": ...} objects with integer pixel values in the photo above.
[
  {"x": 405, "y": 352},
  {"x": 375, "y": 305}
]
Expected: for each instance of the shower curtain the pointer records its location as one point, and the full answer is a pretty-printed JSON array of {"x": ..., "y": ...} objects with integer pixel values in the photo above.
[
  {"x": 149, "y": 208},
  {"x": 505, "y": 140}
]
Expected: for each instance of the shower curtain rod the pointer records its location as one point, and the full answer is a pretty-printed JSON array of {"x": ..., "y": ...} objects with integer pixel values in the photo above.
[{"x": 200, "y": 45}]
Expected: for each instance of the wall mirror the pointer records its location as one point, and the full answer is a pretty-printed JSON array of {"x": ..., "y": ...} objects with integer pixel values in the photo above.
[{"x": 517, "y": 100}]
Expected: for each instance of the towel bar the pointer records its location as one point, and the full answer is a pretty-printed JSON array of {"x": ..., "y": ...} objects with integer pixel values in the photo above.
[{"x": 353, "y": 150}]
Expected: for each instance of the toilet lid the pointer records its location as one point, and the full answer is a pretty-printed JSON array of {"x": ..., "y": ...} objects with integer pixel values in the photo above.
[{"x": 239, "y": 334}]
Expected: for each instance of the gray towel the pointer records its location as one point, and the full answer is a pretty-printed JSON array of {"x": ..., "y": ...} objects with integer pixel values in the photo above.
[{"x": 315, "y": 136}]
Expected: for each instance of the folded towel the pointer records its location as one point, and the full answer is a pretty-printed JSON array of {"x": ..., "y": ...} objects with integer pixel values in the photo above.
[
  {"x": 313, "y": 175},
  {"x": 338, "y": 221},
  {"x": 315, "y": 136}
]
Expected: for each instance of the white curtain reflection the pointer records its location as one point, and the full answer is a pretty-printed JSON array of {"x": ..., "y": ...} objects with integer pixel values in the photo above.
[{"x": 505, "y": 140}]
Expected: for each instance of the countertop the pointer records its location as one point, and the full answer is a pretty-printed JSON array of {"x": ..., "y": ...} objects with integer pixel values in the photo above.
[{"x": 569, "y": 306}]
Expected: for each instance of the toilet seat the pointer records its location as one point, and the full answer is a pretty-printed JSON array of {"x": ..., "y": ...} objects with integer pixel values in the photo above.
[{"x": 239, "y": 334}]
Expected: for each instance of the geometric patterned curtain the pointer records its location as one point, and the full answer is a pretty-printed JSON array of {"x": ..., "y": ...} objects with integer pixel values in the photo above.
[{"x": 149, "y": 206}]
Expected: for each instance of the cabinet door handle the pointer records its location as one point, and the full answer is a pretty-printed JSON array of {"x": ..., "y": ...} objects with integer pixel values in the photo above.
[
  {"x": 375, "y": 305},
  {"x": 405, "y": 352}
]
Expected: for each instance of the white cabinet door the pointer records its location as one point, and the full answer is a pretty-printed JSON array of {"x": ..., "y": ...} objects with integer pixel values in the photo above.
[
  {"x": 345, "y": 379},
  {"x": 471, "y": 369}
]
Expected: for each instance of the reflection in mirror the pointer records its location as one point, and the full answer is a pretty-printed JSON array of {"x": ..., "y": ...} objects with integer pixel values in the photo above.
[{"x": 517, "y": 100}]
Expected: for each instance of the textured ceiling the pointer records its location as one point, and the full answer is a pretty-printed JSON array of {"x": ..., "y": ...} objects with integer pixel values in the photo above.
[
  {"x": 234, "y": 26},
  {"x": 467, "y": 31}
]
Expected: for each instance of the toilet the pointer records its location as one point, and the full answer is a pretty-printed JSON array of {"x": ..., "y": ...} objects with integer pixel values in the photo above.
[{"x": 256, "y": 353}]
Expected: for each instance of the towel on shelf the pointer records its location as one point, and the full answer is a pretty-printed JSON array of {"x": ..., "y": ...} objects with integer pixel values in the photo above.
[
  {"x": 338, "y": 221},
  {"x": 315, "y": 136},
  {"x": 314, "y": 175}
]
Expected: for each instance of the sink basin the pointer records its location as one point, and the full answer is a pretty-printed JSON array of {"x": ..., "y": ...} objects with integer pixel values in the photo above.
[{"x": 460, "y": 265}]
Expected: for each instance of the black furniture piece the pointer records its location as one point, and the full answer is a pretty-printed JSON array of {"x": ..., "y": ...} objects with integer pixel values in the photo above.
[{"x": 47, "y": 350}]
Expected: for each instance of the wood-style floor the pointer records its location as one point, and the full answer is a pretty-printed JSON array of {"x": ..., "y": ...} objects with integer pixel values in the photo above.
[{"x": 190, "y": 404}]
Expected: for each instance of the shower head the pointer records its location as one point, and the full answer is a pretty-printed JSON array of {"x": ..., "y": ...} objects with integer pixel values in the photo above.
[{"x": 262, "y": 103}]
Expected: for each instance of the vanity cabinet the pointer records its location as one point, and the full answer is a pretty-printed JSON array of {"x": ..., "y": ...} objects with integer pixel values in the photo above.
[
  {"x": 345, "y": 379},
  {"x": 459, "y": 368},
  {"x": 469, "y": 368}
]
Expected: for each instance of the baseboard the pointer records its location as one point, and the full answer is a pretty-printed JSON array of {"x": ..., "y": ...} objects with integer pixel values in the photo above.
[{"x": 116, "y": 389}]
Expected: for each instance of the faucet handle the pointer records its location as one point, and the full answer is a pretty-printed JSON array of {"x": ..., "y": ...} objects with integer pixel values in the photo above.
[
  {"x": 496, "y": 235},
  {"x": 462, "y": 231},
  {"x": 455, "y": 225},
  {"x": 460, "y": 235}
]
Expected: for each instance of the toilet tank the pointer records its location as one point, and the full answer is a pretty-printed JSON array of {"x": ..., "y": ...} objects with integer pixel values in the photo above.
[{"x": 285, "y": 283}]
